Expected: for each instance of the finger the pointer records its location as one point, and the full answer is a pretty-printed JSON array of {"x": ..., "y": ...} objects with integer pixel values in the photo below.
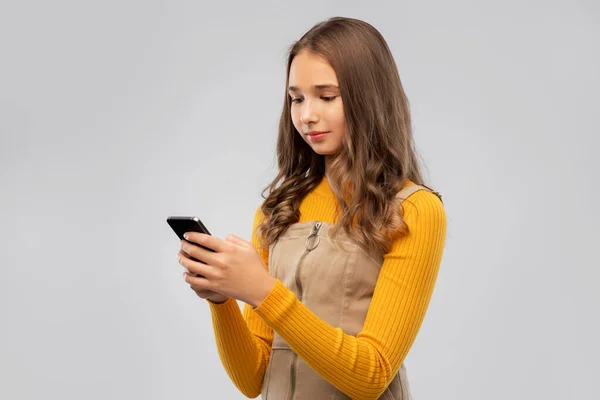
[
  {"x": 203, "y": 293},
  {"x": 236, "y": 240},
  {"x": 193, "y": 273},
  {"x": 200, "y": 254},
  {"x": 194, "y": 267},
  {"x": 205, "y": 240},
  {"x": 189, "y": 256},
  {"x": 198, "y": 283}
]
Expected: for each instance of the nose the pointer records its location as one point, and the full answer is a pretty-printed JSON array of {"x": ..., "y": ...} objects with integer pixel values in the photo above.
[{"x": 308, "y": 113}]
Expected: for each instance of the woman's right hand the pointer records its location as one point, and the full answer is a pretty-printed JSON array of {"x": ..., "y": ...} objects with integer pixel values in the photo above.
[
  {"x": 210, "y": 295},
  {"x": 207, "y": 294}
]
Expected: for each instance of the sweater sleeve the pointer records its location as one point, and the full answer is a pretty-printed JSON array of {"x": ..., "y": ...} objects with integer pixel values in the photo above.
[
  {"x": 362, "y": 366},
  {"x": 243, "y": 339}
]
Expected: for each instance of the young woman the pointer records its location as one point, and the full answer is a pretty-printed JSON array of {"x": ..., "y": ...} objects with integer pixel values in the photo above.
[{"x": 345, "y": 248}]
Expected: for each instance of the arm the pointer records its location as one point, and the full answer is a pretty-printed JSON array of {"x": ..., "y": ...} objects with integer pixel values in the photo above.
[
  {"x": 364, "y": 365},
  {"x": 243, "y": 339}
]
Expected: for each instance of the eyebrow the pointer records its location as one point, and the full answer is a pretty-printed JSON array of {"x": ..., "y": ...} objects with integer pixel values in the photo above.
[{"x": 317, "y": 87}]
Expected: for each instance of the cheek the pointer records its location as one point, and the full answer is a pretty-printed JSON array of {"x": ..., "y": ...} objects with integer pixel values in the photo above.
[
  {"x": 295, "y": 114},
  {"x": 338, "y": 119}
]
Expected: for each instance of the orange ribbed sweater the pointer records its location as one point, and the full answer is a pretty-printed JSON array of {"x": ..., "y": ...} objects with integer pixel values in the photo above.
[{"x": 365, "y": 363}]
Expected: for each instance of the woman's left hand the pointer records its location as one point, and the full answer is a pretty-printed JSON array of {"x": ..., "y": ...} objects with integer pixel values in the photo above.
[{"x": 235, "y": 269}]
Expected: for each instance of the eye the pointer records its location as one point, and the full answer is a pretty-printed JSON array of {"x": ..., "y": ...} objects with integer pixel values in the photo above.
[
  {"x": 296, "y": 100},
  {"x": 328, "y": 99}
]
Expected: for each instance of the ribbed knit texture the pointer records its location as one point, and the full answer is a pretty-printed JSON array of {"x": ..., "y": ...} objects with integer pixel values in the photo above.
[{"x": 363, "y": 365}]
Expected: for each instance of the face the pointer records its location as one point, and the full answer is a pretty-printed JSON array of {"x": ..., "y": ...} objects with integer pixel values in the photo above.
[{"x": 317, "y": 109}]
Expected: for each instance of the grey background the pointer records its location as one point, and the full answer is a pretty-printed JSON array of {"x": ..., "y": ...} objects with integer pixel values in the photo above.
[{"x": 114, "y": 115}]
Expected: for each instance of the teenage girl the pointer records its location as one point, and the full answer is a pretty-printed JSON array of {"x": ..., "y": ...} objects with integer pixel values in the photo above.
[{"x": 347, "y": 244}]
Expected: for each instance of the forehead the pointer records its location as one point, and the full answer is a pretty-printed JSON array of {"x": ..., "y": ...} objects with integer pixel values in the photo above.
[{"x": 310, "y": 69}]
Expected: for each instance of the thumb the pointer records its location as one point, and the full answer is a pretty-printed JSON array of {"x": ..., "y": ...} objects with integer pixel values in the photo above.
[{"x": 237, "y": 240}]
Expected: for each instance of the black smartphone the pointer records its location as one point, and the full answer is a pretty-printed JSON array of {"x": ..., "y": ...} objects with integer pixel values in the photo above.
[{"x": 181, "y": 225}]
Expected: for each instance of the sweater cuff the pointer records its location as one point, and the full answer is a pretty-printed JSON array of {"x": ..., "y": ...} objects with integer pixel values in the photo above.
[
  {"x": 276, "y": 305},
  {"x": 222, "y": 312},
  {"x": 219, "y": 304}
]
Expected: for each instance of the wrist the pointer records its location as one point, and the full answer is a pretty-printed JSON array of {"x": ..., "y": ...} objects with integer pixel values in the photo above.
[
  {"x": 219, "y": 301},
  {"x": 263, "y": 291}
]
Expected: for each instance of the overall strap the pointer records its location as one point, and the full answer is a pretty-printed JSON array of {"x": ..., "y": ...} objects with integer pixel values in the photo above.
[{"x": 407, "y": 191}]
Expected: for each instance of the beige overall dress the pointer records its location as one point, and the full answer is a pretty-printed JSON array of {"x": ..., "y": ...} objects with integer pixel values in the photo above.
[{"x": 337, "y": 285}]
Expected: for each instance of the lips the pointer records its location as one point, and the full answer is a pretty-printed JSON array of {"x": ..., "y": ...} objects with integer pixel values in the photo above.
[{"x": 316, "y": 135}]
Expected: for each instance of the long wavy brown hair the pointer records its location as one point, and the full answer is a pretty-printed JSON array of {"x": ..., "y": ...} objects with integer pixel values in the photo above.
[{"x": 377, "y": 156}]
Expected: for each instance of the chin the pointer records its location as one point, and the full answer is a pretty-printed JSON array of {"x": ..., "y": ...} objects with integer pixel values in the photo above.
[
  {"x": 324, "y": 153},
  {"x": 324, "y": 150}
]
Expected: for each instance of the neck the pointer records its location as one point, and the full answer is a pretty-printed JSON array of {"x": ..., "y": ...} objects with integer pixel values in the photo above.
[{"x": 328, "y": 160}]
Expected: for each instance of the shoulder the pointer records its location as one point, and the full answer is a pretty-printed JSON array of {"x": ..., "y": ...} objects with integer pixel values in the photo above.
[
  {"x": 258, "y": 211},
  {"x": 423, "y": 206},
  {"x": 258, "y": 217},
  {"x": 425, "y": 217}
]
